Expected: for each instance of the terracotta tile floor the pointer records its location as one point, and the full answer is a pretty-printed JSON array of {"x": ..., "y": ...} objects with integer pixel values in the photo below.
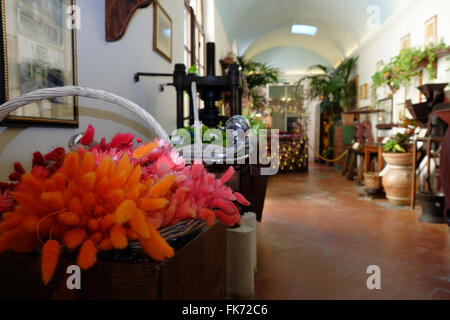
[{"x": 318, "y": 237}]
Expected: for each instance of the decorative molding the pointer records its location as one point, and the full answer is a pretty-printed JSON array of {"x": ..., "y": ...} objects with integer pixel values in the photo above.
[{"x": 118, "y": 14}]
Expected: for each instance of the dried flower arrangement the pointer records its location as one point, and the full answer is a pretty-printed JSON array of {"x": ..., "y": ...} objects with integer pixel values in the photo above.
[{"x": 101, "y": 197}]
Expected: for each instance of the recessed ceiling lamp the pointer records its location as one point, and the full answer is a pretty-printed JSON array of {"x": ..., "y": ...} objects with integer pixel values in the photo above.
[{"x": 304, "y": 29}]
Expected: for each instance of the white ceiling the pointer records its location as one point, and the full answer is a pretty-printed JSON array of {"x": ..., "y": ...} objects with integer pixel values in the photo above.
[{"x": 260, "y": 26}]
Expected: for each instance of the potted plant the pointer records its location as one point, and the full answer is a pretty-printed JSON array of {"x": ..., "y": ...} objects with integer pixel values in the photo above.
[
  {"x": 333, "y": 88},
  {"x": 398, "y": 178},
  {"x": 256, "y": 76}
]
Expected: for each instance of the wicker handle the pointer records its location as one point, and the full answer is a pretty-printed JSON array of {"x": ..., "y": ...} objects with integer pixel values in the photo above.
[{"x": 50, "y": 93}]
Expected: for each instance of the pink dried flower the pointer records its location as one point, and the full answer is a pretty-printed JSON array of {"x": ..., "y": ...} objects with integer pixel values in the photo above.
[{"x": 6, "y": 201}]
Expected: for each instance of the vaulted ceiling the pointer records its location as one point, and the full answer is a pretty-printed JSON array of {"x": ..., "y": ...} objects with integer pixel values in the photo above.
[{"x": 262, "y": 28}]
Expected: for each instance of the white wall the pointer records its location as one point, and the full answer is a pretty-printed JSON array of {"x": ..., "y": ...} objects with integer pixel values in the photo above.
[
  {"x": 385, "y": 44},
  {"x": 110, "y": 66},
  {"x": 223, "y": 45}
]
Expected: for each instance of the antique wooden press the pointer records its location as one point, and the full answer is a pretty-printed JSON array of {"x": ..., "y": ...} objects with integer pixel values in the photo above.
[{"x": 210, "y": 88}]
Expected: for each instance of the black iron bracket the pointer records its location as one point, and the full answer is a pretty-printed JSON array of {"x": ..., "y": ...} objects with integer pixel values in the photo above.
[{"x": 150, "y": 74}]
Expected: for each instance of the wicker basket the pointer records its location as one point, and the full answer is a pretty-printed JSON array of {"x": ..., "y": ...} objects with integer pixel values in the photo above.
[
  {"x": 372, "y": 180},
  {"x": 182, "y": 229}
]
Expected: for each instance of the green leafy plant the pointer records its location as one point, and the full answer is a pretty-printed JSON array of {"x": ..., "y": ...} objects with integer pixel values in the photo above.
[
  {"x": 332, "y": 86},
  {"x": 399, "y": 143},
  {"x": 212, "y": 138},
  {"x": 192, "y": 69},
  {"x": 257, "y": 75},
  {"x": 255, "y": 122},
  {"x": 405, "y": 66}
]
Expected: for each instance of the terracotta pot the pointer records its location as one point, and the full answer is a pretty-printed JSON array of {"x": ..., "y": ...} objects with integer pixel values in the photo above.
[
  {"x": 398, "y": 179},
  {"x": 348, "y": 119}
]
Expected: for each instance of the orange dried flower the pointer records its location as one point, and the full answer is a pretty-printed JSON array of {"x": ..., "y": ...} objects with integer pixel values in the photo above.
[
  {"x": 50, "y": 255},
  {"x": 74, "y": 237},
  {"x": 88, "y": 255},
  {"x": 11, "y": 223},
  {"x": 124, "y": 212},
  {"x": 95, "y": 205},
  {"x": 151, "y": 204},
  {"x": 69, "y": 218},
  {"x": 118, "y": 236},
  {"x": 143, "y": 150},
  {"x": 161, "y": 188},
  {"x": 139, "y": 224},
  {"x": 105, "y": 244}
]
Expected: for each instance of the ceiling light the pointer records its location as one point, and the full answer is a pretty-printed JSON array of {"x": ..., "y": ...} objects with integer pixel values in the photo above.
[{"x": 304, "y": 29}]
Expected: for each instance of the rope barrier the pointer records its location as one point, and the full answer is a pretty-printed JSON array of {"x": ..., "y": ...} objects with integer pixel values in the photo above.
[
  {"x": 333, "y": 160},
  {"x": 328, "y": 160}
]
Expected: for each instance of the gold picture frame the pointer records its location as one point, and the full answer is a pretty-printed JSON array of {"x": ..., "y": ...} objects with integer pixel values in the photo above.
[
  {"x": 364, "y": 91},
  {"x": 162, "y": 32},
  {"x": 405, "y": 42},
  {"x": 387, "y": 113},
  {"x": 34, "y": 57},
  {"x": 431, "y": 31}
]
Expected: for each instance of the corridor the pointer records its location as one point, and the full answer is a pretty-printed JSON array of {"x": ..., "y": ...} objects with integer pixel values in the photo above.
[{"x": 318, "y": 238}]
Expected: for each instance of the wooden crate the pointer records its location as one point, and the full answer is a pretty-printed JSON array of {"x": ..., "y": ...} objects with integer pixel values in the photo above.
[{"x": 197, "y": 271}]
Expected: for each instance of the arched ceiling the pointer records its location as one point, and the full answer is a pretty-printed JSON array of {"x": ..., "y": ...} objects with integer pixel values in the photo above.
[
  {"x": 291, "y": 60},
  {"x": 261, "y": 25}
]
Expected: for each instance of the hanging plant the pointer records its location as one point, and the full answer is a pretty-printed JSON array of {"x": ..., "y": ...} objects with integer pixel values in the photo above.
[{"x": 405, "y": 66}]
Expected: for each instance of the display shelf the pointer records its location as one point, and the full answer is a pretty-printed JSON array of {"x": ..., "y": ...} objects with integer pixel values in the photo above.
[
  {"x": 386, "y": 126},
  {"x": 365, "y": 111}
]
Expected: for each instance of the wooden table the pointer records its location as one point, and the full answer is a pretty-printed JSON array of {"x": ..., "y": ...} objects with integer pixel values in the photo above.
[
  {"x": 352, "y": 157},
  {"x": 369, "y": 151},
  {"x": 366, "y": 151}
]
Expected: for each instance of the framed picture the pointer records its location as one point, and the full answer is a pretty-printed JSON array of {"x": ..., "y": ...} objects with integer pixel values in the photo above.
[
  {"x": 354, "y": 93},
  {"x": 431, "y": 31},
  {"x": 399, "y": 112},
  {"x": 405, "y": 42},
  {"x": 385, "y": 117},
  {"x": 162, "y": 32},
  {"x": 380, "y": 65},
  {"x": 364, "y": 91},
  {"x": 38, "y": 50}
]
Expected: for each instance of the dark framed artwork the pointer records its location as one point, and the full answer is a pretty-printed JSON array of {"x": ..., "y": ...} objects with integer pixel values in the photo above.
[
  {"x": 162, "y": 32},
  {"x": 38, "y": 50},
  {"x": 385, "y": 117}
]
